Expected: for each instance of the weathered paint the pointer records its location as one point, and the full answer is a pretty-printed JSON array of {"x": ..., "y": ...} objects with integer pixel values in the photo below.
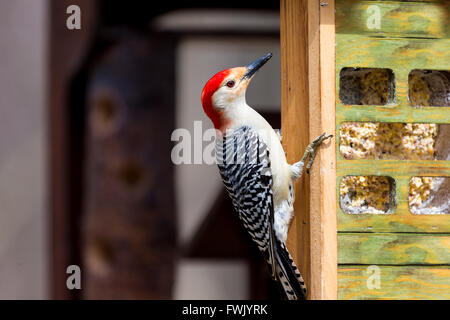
[
  {"x": 392, "y": 19},
  {"x": 401, "y": 219},
  {"x": 408, "y": 35},
  {"x": 396, "y": 282},
  {"x": 400, "y": 55},
  {"x": 394, "y": 248}
]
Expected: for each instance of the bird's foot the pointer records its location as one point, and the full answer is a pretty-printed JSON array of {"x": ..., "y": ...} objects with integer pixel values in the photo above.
[{"x": 311, "y": 149}]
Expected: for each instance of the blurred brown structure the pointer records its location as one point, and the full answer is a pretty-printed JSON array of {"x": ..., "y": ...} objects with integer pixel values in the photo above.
[
  {"x": 67, "y": 50},
  {"x": 112, "y": 111},
  {"x": 128, "y": 228}
]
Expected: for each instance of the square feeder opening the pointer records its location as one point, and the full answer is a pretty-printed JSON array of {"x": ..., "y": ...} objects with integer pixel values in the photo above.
[
  {"x": 429, "y": 195},
  {"x": 394, "y": 141},
  {"x": 367, "y": 194},
  {"x": 429, "y": 88},
  {"x": 397, "y": 141},
  {"x": 366, "y": 86}
]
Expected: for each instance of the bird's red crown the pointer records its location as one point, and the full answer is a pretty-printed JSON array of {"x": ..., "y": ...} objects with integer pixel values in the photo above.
[{"x": 210, "y": 88}]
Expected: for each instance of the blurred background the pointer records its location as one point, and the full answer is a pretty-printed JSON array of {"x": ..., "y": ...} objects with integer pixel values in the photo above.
[{"x": 86, "y": 176}]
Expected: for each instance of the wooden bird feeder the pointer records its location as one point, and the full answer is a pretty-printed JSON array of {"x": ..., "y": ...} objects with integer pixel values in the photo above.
[{"x": 372, "y": 220}]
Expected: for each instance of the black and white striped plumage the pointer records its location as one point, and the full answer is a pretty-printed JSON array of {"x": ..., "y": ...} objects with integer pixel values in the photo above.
[{"x": 244, "y": 164}]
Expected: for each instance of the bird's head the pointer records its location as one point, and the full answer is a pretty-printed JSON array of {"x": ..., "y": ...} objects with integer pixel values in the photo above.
[{"x": 225, "y": 92}]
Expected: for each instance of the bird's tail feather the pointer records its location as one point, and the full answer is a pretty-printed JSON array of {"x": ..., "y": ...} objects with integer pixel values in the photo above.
[{"x": 288, "y": 274}]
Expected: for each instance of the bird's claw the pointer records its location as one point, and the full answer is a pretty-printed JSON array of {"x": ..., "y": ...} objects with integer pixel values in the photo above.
[{"x": 312, "y": 149}]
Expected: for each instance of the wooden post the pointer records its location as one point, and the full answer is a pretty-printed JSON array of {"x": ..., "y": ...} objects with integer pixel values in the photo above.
[
  {"x": 128, "y": 230},
  {"x": 67, "y": 49},
  {"x": 326, "y": 166},
  {"x": 295, "y": 120},
  {"x": 308, "y": 109}
]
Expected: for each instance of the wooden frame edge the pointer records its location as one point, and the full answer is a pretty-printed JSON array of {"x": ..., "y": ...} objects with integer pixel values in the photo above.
[
  {"x": 295, "y": 121},
  {"x": 327, "y": 158},
  {"x": 308, "y": 109}
]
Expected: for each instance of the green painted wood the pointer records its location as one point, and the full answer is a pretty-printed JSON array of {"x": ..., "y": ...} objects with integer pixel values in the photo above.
[
  {"x": 396, "y": 282},
  {"x": 392, "y": 222},
  {"x": 400, "y": 219},
  {"x": 393, "y": 248},
  {"x": 396, "y": 54},
  {"x": 392, "y": 19},
  {"x": 410, "y": 35},
  {"x": 399, "y": 113},
  {"x": 395, "y": 168},
  {"x": 402, "y": 56}
]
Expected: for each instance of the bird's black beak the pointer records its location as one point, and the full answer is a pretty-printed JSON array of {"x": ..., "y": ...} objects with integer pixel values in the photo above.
[{"x": 255, "y": 65}]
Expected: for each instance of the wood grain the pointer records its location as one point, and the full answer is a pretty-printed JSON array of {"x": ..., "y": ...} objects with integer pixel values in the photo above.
[
  {"x": 396, "y": 282},
  {"x": 413, "y": 19},
  {"x": 394, "y": 248},
  {"x": 401, "y": 55},
  {"x": 327, "y": 158},
  {"x": 315, "y": 129},
  {"x": 295, "y": 120},
  {"x": 401, "y": 219},
  {"x": 412, "y": 35},
  {"x": 308, "y": 105}
]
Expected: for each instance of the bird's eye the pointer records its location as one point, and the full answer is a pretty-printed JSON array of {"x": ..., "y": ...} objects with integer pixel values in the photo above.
[{"x": 230, "y": 84}]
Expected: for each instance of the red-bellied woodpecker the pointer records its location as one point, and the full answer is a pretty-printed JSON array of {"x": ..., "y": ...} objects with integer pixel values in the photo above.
[{"x": 254, "y": 169}]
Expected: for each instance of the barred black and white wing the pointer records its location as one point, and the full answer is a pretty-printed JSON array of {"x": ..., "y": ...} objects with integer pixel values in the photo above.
[{"x": 244, "y": 164}]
